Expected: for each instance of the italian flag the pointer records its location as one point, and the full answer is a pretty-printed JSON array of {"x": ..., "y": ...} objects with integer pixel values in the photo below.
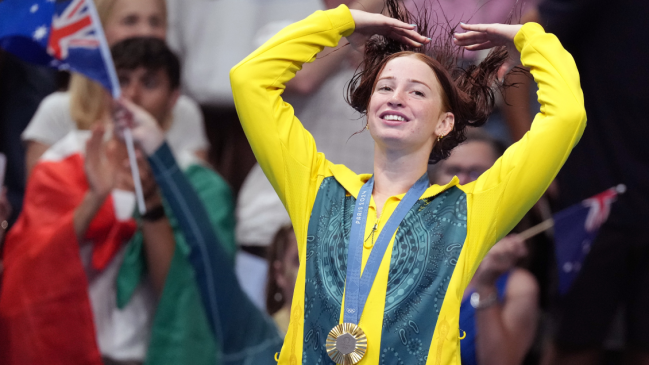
[{"x": 45, "y": 310}]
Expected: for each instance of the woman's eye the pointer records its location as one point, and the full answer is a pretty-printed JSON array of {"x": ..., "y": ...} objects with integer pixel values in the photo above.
[
  {"x": 130, "y": 20},
  {"x": 386, "y": 88},
  {"x": 419, "y": 93}
]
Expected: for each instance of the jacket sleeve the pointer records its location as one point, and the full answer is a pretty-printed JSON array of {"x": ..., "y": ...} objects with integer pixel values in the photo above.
[
  {"x": 519, "y": 178},
  {"x": 284, "y": 149},
  {"x": 242, "y": 331}
]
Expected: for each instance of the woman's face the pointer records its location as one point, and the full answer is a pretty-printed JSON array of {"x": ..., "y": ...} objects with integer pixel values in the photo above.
[
  {"x": 405, "y": 110},
  {"x": 135, "y": 18}
]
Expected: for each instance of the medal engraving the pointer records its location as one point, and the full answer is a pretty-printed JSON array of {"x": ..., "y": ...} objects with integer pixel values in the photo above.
[{"x": 346, "y": 344}]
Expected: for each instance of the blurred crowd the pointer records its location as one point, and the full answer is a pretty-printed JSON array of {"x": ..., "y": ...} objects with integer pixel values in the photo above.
[{"x": 84, "y": 275}]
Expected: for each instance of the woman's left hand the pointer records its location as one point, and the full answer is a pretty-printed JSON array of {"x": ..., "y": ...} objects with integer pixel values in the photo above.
[
  {"x": 485, "y": 36},
  {"x": 369, "y": 24}
]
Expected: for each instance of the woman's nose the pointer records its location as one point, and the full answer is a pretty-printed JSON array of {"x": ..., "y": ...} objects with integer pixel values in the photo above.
[{"x": 396, "y": 99}]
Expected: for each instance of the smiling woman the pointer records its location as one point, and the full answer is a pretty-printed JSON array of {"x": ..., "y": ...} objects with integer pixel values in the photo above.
[{"x": 417, "y": 246}]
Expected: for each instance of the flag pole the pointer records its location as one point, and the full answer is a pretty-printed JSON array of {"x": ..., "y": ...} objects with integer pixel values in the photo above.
[
  {"x": 130, "y": 148},
  {"x": 116, "y": 91},
  {"x": 549, "y": 223}
]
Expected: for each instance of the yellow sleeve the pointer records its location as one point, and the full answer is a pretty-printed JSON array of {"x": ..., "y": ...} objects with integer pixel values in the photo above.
[
  {"x": 284, "y": 149},
  {"x": 519, "y": 178}
]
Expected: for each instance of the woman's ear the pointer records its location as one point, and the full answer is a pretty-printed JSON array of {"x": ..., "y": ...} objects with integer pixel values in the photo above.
[{"x": 445, "y": 124}]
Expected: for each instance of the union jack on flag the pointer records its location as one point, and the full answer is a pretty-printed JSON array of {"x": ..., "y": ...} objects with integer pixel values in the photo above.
[
  {"x": 65, "y": 34},
  {"x": 575, "y": 229}
]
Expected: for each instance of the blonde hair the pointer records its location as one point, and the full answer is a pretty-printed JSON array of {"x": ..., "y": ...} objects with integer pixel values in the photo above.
[{"x": 89, "y": 101}]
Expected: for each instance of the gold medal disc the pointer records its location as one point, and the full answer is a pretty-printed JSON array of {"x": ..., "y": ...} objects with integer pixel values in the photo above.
[{"x": 346, "y": 344}]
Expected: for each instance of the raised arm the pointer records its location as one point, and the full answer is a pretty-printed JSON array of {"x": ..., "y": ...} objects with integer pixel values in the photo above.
[
  {"x": 519, "y": 178},
  {"x": 244, "y": 334},
  {"x": 284, "y": 149}
]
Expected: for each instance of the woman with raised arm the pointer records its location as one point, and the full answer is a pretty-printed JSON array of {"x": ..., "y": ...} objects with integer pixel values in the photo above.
[{"x": 385, "y": 258}]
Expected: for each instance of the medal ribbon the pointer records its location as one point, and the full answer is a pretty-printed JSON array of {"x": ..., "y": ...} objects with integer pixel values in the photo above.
[{"x": 357, "y": 287}]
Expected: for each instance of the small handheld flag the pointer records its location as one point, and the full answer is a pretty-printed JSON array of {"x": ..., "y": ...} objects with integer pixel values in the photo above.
[
  {"x": 65, "y": 34},
  {"x": 575, "y": 229}
]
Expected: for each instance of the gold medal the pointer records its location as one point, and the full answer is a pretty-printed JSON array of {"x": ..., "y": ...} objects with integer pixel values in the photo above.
[{"x": 346, "y": 344}]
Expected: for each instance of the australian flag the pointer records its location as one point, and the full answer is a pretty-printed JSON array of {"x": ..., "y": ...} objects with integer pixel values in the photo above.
[
  {"x": 575, "y": 229},
  {"x": 65, "y": 34}
]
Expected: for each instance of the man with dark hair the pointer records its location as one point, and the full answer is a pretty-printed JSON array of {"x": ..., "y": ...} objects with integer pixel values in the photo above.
[{"x": 121, "y": 284}]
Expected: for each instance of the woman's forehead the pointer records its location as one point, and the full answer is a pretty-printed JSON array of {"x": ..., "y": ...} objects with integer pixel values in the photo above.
[{"x": 409, "y": 68}]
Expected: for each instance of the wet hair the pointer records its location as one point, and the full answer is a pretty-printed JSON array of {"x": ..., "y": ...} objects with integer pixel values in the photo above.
[
  {"x": 468, "y": 93},
  {"x": 277, "y": 252},
  {"x": 149, "y": 53}
]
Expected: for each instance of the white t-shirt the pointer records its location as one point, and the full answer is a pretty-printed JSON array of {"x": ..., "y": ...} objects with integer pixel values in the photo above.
[
  {"x": 53, "y": 121},
  {"x": 211, "y": 37}
]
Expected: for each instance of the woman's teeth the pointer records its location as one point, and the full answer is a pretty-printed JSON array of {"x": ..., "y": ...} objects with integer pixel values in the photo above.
[{"x": 394, "y": 117}]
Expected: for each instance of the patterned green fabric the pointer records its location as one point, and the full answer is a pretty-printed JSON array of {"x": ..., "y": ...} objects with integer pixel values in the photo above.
[
  {"x": 425, "y": 251},
  {"x": 180, "y": 333}
]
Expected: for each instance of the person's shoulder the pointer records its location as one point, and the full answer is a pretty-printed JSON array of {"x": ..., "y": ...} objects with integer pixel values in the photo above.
[
  {"x": 522, "y": 283},
  {"x": 57, "y": 100},
  {"x": 187, "y": 109}
]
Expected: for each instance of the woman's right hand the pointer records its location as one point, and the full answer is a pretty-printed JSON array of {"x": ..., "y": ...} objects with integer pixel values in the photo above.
[{"x": 369, "y": 24}]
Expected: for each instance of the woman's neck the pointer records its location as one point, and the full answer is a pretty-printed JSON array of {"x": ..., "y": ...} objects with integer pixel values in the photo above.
[{"x": 395, "y": 173}]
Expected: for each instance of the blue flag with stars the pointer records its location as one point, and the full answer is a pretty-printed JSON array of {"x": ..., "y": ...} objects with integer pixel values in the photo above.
[
  {"x": 64, "y": 34},
  {"x": 575, "y": 229}
]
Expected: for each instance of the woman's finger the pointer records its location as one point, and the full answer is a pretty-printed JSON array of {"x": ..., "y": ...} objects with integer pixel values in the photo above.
[
  {"x": 475, "y": 27},
  {"x": 466, "y": 39},
  {"x": 395, "y": 23},
  {"x": 411, "y": 34},
  {"x": 481, "y": 46},
  {"x": 405, "y": 40}
]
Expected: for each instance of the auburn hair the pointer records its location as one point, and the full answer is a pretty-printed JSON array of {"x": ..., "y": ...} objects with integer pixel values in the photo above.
[{"x": 468, "y": 93}]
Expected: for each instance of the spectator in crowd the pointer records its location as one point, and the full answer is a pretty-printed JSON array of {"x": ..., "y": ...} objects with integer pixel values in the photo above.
[
  {"x": 499, "y": 311},
  {"x": 87, "y": 101},
  {"x": 122, "y": 286}
]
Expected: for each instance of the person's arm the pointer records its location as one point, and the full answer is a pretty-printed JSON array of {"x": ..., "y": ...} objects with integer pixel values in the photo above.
[
  {"x": 284, "y": 149},
  {"x": 237, "y": 324},
  {"x": 506, "y": 331},
  {"x": 519, "y": 178},
  {"x": 330, "y": 61},
  {"x": 33, "y": 151},
  {"x": 159, "y": 242}
]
